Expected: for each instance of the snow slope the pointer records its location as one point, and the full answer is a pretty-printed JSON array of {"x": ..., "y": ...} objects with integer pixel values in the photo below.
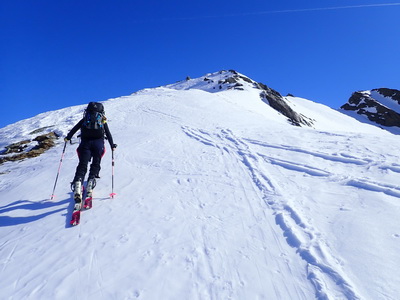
[{"x": 218, "y": 197}]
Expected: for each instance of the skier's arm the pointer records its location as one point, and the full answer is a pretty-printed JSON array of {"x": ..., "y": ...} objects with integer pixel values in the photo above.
[
  {"x": 109, "y": 137},
  {"x": 74, "y": 130}
]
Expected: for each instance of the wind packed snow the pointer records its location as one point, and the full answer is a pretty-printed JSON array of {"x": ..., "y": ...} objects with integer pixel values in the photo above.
[{"x": 218, "y": 197}]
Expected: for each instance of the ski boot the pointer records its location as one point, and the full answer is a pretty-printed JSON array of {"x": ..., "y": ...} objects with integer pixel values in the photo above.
[
  {"x": 89, "y": 193},
  {"x": 77, "y": 188},
  {"x": 78, "y": 191}
]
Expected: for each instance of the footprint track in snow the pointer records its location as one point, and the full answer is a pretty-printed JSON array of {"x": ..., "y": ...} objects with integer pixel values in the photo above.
[{"x": 323, "y": 270}]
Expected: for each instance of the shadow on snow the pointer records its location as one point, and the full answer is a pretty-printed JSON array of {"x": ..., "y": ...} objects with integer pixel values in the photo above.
[{"x": 7, "y": 220}]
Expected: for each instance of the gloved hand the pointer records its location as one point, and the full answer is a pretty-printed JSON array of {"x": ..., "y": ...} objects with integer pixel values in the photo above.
[
  {"x": 114, "y": 146},
  {"x": 66, "y": 139}
]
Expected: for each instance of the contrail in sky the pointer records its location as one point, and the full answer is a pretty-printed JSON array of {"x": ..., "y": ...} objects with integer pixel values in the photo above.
[
  {"x": 279, "y": 11},
  {"x": 326, "y": 8}
]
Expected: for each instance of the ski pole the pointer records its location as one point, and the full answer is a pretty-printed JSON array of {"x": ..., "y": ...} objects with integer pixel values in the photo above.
[
  {"x": 112, "y": 174},
  {"x": 58, "y": 172}
]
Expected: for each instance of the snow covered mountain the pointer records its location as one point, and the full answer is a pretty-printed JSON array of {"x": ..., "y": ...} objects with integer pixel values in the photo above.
[
  {"x": 219, "y": 196},
  {"x": 379, "y": 106}
]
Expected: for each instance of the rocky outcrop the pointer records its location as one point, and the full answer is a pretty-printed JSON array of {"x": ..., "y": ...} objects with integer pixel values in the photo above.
[
  {"x": 391, "y": 93},
  {"x": 277, "y": 102},
  {"x": 381, "y": 106},
  {"x": 28, "y": 148},
  {"x": 269, "y": 96}
]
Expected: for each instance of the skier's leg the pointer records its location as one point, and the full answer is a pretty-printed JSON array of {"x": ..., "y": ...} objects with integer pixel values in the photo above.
[
  {"x": 84, "y": 158},
  {"x": 97, "y": 151}
]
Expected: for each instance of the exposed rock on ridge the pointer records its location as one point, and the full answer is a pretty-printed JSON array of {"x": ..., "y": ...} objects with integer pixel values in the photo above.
[
  {"x": 277, "y": 102},
  {"x": 381, "y": 106},
  {"x": 236, "y": 81},
  {"x": 28, "y": 148}
]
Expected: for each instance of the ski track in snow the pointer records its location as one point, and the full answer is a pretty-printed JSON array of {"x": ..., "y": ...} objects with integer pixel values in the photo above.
[
  {"x": 323, "y": 270},
  {"x": 335, "y": 158},
  {"x": 362, "y": 183}
]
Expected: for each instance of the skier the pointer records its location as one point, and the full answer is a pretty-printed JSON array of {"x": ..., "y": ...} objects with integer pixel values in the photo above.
[{"x": 93, "y": 127}]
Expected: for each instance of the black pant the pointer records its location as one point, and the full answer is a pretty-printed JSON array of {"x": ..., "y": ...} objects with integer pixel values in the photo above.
[{"x": 89, "y": 149}]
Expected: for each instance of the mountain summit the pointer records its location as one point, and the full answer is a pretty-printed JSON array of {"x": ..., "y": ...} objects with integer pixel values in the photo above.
[{"x": 232, "y": 80}]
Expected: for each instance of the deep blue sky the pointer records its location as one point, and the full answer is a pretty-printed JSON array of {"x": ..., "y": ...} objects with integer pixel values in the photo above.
[{"x": 55, "y": 54}]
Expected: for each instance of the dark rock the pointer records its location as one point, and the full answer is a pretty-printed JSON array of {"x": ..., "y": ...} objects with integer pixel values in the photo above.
[
  {"x": 44, "y": 143},
  {"x": 16, "y": 147},
  {"x": 246, "y": 79},
  {"x": 228, "y": 80},
  {"x": 276, "y": 101},
  {"x": 363, "y": 103},
  {"x": 394, "y": 94}
]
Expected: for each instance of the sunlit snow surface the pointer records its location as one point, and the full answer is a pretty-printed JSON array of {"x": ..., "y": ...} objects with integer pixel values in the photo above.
[{"x": 218, "y": 197}]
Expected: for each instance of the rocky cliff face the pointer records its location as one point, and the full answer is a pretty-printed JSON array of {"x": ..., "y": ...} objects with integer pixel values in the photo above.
[{"x": 381, "y": 106}]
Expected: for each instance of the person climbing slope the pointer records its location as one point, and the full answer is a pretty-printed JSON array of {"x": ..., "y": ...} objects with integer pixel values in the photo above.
[{"x": 94, "y": 129}]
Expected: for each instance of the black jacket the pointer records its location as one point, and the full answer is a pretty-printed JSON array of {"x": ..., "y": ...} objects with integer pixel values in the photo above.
[{"x": 88, "y": 134}]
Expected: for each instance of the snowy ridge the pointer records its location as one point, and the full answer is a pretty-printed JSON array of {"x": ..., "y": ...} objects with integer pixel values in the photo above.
[
  {"x": 217, "y": 82},
  {"x": 218, "y": 197}
]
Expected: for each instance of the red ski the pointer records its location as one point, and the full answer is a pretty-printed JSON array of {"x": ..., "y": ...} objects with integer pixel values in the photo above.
[
  {"x": 88, "y": 203},
  {"x": 76, "y": 217}
]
